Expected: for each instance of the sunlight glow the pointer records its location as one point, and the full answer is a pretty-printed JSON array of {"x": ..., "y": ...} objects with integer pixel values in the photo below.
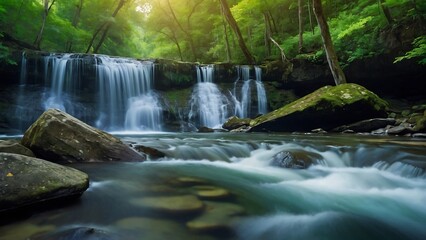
[{"x": 144, "y": 8}]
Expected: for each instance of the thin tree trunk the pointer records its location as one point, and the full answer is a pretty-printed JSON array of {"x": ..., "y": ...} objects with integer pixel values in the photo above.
[
  {"x": 272, "y": 23},
  {"x": 46, "y": 11},
  {"x": 283, "y": 57},
  {"x": 92, "y": 40},
  {"x": 175, "y": 40},
  {"x": 105, "y": 27},
  {"x": 231, "y": 21},
  {"x": 268, "y": 34},
  {"x": 336, "y": 70},
  {"x": 225, "y": 30},
  {"x": 75, "y": 21},
  {"x": 310, "y": 17},
  {"x": 300, "y": 14},
  {"x": 386, "y": 11},
  {"x": 187, "y": 34}
]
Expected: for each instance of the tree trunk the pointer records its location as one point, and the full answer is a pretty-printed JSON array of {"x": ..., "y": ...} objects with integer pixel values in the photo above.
[
  {"x": 175, "y": 40},
  {"x": 187, "y": 33},
  {"x": 105, "y": 27},
  {"x": 46, "y": 10},
  {"x": 386, "y": 11},
  {"x": 75, "y": 21},
  {"x": 225, "y": 31},
  {"x": 300, "y": 14},
  {"x": 310, "y": 17},
  {"x": 268, "y": 34},
  {"x": 231, "y": 21},
  {"x": 336, "y": 70}
]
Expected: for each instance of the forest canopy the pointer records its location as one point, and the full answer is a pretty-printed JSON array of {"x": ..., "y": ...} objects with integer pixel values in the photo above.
[{"x": 198, "y": 30}]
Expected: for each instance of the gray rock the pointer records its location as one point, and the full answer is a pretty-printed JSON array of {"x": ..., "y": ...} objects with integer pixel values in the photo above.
[
  {"x": 296, "y": 159},
  {"x": 235, "y": 122},
  {"x": 10, "y": 146},
  {"x": 26, "y": 181},
  {"x": 58, "y": 137},
  {"x": 399, "y": 130},
  {"x": 366, "y": 125}
]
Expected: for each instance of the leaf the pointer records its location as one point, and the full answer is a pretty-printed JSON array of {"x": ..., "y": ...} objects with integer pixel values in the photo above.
[{"x": 9, "y": 175}]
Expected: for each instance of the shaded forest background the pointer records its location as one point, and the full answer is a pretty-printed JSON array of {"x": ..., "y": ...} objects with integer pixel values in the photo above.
[{"x": 198, "y": 30}]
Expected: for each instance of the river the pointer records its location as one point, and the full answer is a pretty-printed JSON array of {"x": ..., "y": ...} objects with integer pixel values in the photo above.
[{"x": 358, "y": 187}]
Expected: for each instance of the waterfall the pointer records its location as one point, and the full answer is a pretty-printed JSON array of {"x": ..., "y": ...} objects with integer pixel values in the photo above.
[
  {"x": 242, "y": 93},
  {"x": 127, "y": 100},
  {"x": 208, "y": 104},
  {"x": 262, "y": 102},
  {"x": 63, "y": 75}
]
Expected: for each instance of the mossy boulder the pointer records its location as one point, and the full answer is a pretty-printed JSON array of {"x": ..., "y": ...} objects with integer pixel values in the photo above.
[
  {"x": 25, "y": 181},
  {"x": 59, "y": 137},
  {"x": 235, "y": 122},
  {"x": 326, "y": 108}
]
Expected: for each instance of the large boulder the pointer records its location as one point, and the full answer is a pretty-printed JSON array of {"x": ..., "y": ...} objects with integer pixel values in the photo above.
[
  {"x": 58, "y": 137},
  {"x": 326, "y": 108},
  {"x": 25, "y": 181},
  {"x": 12, "y": 146},
  {"x": 235, "y": 122}
]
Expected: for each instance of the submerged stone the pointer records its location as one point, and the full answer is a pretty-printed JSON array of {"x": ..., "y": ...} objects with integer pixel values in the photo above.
[
  {"x": 26, "y": 181},
  {"x": 87, "y": 233},
  {"x": 59, "y": 137},
  {"x": 217, "y": 217},
  {"x": 326, "y": 108},
  {"x": 212, "y": 192},
  {"x": 189, "y": 181},
  {"x": 184, "y": 204}
]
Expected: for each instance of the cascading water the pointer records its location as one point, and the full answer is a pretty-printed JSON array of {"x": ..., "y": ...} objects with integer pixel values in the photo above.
[
  {"x": 363, "y": 187},
  {"x": 127, "y": 100},
  {"x": 262, "y": 102},
  {"x": 209, "y": 107},
  {"x": 113, "y": 94},
  {"x": 242, "y": 93}
]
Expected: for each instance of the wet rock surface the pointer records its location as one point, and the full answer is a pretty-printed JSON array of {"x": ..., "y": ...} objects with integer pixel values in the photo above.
[
  {"x": 25, "y": 181},
  {"x": 59, "y": 137}
]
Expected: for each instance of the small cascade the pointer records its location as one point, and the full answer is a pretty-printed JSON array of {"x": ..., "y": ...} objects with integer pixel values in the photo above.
[
  {"x": 244, "y": 88},
  {"x": 262, "y": 102},
  {"x": 209, "y": 107},
  {"x": 62, "y": 74},
  {"x": 127, "y": 99}
]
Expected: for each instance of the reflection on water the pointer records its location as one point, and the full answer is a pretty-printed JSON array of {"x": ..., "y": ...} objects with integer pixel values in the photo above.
[{"x": 222, "y": 186}]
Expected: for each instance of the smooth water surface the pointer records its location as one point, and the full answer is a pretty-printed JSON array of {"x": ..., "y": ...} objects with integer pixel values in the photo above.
[{"x": 357, "y": 188}]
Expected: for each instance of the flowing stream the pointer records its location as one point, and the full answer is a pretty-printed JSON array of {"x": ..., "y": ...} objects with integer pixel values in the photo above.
[{"x": 357, "y": 188}]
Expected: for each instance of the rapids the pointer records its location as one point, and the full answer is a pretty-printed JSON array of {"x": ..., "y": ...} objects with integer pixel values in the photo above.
[{"x": 361, "y": 187}]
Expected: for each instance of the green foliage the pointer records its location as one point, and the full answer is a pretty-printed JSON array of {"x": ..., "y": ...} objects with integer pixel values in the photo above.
[
  {"x": 418, "y": 52},
  {"x": 195, "y": 30}
]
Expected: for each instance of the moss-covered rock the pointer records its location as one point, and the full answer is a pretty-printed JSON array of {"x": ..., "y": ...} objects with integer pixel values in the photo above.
[
  {"x": 58, "y": 137},
  {"x": 26, "y": 180},
  {"x": 235, "y": 122},
  {"x": 326, "y": 108}
]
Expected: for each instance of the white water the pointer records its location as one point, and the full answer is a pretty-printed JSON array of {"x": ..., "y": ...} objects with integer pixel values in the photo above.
[
  {"x": 350, "y": 192},
  {"x": 242, "y": 93},
  {"x": 126, "y": 98},
  {"x": 209, "y": 107}
]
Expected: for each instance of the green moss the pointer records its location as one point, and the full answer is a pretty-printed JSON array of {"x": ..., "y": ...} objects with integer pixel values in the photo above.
[
  {"x": 178, "y": 96},
  {"x": 327, "y": 97}
]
